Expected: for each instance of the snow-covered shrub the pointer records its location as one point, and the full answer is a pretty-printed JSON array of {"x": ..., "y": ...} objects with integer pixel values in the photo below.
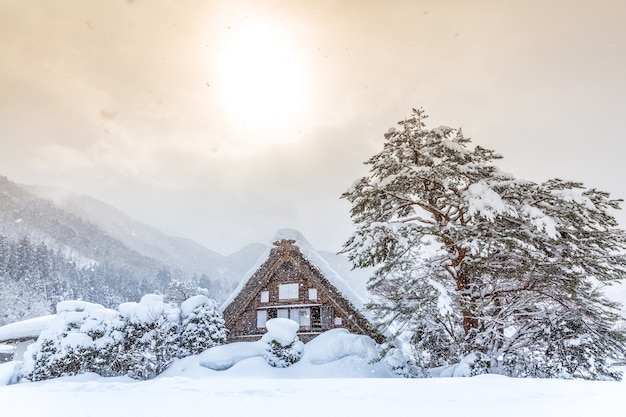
[
  {"x": 202, "y": 326},
  {"x": 472, "y": 364},
  {"x": 477, "y": 362},
  {"x": 525, "y": 363},
  {"x": 83, "y": 337},
  {"x": 570, "y": 358},
  {"x": 150, "y": 337},
  {"x": 140, "y": 340},
  {"x": 402, "y": 365},
  {"x": 283, "y": 346}
]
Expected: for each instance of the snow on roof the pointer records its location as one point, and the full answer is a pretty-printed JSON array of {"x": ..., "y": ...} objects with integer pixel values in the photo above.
[
  {"x": 77, "y": 306},
  {"x": 314, "y": 258},
  {"x": 30, "y": 328},
  {"x": 10, "y": 349}
]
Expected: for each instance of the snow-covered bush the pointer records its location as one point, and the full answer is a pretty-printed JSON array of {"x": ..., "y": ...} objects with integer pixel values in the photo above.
[
  {"x": 140, "y": 340},
  {"x": 283, "y": 346},
  {"x": 83, "y": 337},
  {"x": 202, "y": 326},
  {"x": 150, "y": 337},
  {"x": 567, "y": 352},
  {"x": 402, "y": 365}
]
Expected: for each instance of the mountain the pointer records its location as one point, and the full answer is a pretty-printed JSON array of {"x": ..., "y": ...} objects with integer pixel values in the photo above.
[
  {"x": 24, "y": 214},
  {"x": 176, "y": 253},
  {"x": 91, "y": 232}
]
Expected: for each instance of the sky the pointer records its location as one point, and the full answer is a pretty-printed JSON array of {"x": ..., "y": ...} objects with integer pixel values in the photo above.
[{"x": 225, "y": 121}]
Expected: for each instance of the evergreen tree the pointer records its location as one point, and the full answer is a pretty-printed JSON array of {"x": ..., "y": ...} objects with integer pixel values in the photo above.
[
  {"x": 283, "y": 347},
  {"x": 471, "y": 262},
  {"x": 202, "y": 326},
  {"x": 83, "y": 337},
  {"x": 151, "y": 333}
]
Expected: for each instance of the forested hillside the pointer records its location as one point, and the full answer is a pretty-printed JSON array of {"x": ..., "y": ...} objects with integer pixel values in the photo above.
[
  {"x": 60, "y": 245},
  {"x": 90, "y": 251},
  {"x": 34, "y": 277}
]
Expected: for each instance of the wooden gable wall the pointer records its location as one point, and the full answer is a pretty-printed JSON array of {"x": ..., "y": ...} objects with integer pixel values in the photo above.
[{"x": 287, "y": 285}]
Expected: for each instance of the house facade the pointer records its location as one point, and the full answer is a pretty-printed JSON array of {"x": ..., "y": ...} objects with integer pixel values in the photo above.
[{"x": 289, "y": 284}]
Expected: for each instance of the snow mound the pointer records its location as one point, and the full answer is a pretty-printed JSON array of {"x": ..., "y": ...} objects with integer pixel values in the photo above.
[
  {"x": 190, "y": 304},
  {"x": 463, "y": 369},
  {"x": 333, "y": 354},
  {"x": 76, "y": 306},
  {"x": 221, "y": 358},
  {"x": 281, "y": 330},
  {"x": 148, "y": 309},
  {"x": 8, "y": 372},
  {"x": 336, "y": 344}
]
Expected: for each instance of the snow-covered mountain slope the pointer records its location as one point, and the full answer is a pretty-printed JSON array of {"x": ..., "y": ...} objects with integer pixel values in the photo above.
[
  {"x": 23, "y": 214},
  {"x": 89, "y": 230},
  {"x": 176, "y": 253}
]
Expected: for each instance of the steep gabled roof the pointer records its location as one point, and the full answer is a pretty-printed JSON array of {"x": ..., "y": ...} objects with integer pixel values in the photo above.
[
  {"x": 311, "y": 256},
  {"x": 288, "y": 243}
]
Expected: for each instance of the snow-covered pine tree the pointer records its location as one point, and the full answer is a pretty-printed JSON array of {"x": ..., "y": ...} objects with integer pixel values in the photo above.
[
  {"x": 284, "y": 348},
  {"x": 151, "y": 332},
  {"x": 202, "y": 326},
  {"x": 83, "y": 337},
  {"x": 471, "y": 261}
]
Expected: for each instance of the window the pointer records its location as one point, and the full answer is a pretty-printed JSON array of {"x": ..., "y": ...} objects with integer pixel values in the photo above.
[
  {"x": 327, "y": 317},
  {"x": 316, "y": 318},
  {"x": 288, "y": 291},
  {"x": 313, "y": 294},
  {"x": 261, "y": 318},
  {"x": 303, "y": 316},
  {"x": 265, "y": 296},
  {"x": 338, "y": 321}
]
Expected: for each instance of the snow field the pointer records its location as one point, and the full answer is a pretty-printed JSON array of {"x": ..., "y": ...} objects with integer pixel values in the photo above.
[{"x": 484, "y": 396}]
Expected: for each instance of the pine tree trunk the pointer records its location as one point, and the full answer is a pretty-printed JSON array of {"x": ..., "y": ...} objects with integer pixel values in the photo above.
[{"x": 470, "y": 321}]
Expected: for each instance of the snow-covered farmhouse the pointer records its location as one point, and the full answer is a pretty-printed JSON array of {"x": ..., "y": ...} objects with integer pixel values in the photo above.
[{"x": 291, "y": 280}]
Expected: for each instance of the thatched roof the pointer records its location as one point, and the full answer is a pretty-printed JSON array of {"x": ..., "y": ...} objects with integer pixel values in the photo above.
[{"x": 291, "y": 245}]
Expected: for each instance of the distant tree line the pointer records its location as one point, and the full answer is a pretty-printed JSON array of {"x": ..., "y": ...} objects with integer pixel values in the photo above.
[{"x": 34, "y": 278}]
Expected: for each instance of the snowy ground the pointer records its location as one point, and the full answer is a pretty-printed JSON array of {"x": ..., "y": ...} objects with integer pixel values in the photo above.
[
  {"x": 334, "y": 377},
  {"x": 487, "y": 395}
]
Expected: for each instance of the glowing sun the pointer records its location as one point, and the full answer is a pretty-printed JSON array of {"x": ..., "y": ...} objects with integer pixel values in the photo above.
[{"x": 261, "y": 76}]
